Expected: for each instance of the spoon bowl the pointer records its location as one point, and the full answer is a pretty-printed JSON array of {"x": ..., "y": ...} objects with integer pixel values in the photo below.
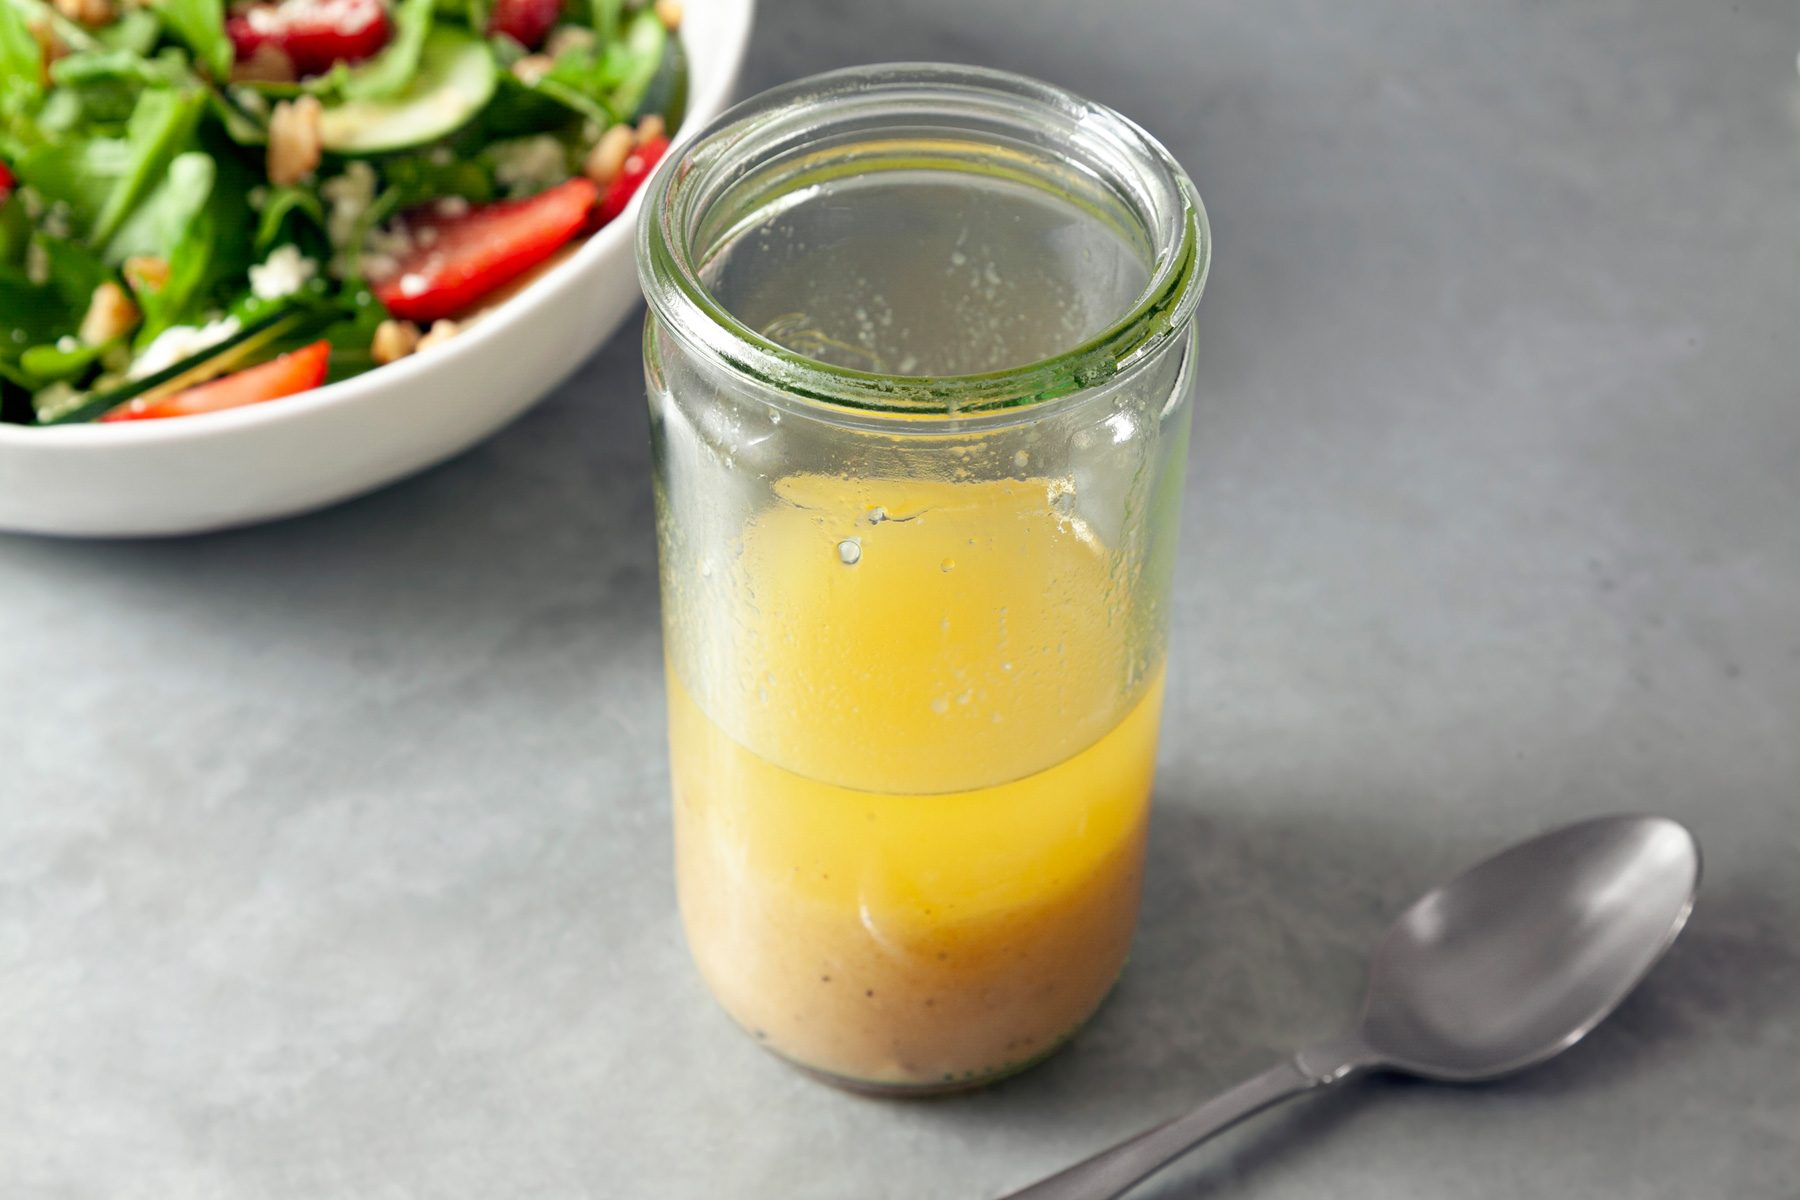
[{"x": 1520, "y": 956}]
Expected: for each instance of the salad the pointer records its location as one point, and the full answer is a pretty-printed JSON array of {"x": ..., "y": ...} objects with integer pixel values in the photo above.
[{"x": 203, "y": 208}]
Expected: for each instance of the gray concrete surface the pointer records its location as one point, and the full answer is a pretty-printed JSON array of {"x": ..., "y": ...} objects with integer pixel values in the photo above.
[{"x": 333, "y": 854}]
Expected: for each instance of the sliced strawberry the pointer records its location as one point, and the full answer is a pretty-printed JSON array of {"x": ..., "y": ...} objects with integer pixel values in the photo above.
[
  {"x": 313, "y": 34},
  {"x": 297, "y": 371},
  {"x": 457, "y": 258},
  {"x": 638, "y": 164},
  {"x": 6, "y": 182},
  {"x": 526, "y": 22}
]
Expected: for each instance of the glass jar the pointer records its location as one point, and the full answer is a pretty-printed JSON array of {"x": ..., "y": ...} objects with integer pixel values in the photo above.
[{"x": 918, "y": 355}]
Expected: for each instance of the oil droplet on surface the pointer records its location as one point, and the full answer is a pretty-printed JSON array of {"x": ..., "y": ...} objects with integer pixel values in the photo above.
[{"x": 850, "y": 551}]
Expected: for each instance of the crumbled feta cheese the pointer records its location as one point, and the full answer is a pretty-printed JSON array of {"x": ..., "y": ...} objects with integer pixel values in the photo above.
[
  {"x": 394, "y": 240},
  {"x": 379, "y": 266},
  {"x": 529, "y": 163},
  {"x": 178, "y": 342},
  {"x": 257, "y": 196},
  {"x": 452, "y": 206},
  {"x": 283, "y": 273},
  {"x": 413, "y": 285},
  {"x": 67, "y": 344}
]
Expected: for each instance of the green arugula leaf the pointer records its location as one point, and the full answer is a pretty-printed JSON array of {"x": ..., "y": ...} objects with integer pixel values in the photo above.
[
  {"x": 15, "y": 230},
  {"x": 606, "y": 18},
  {"x": 239, "y": 124},
  {"x": 283, "y": 203},
  {"x": 645, "y": 40},
  {"x": 58, "y": 304},
  {"x": 21, "y": 61},
  {"x": 88, "y": 67},
  {"x": 214, "y": 251},
  {"x": 82, "y": 173},
  {"x": 159, "y": 221},
  {"x": 416, "y": 178},
  {"x": 51, "y": 363},
  {"x": 31, "y": 313},
  {"x": 389, "y": 73},
  {"x": 75, "y": 271},
  {"x": 201, "y": 24},
  {"x": 135, "y": 31},
  {"x": 103, "y": 179}
]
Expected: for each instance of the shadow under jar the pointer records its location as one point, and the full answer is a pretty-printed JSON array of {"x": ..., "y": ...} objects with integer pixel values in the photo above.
[{"x": 918, "y": 355}]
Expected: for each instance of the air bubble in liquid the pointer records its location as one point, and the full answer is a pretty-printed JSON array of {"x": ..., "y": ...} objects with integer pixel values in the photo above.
[{"x": 850, "y": 551}]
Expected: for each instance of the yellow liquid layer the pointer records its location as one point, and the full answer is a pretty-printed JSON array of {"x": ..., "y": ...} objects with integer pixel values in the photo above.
[{"x": 910, "y": 825}]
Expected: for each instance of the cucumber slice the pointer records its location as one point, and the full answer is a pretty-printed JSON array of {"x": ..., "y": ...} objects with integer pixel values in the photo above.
[
  {"x": 208, "y": 364},
  {"x": 644, "y": 42},
  {"x": 456, "y": 79},
  {"x": 667, "y": 93}
]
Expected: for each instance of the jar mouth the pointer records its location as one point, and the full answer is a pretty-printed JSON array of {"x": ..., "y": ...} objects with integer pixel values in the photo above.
[{"x": 948, "y": 112}]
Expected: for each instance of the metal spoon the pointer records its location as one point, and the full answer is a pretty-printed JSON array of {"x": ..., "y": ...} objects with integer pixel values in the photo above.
[{"x": 1506, "y": 965}]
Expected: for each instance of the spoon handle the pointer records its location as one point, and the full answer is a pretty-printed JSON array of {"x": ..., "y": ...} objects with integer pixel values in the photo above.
[{"x": 1110, "y": 1172}]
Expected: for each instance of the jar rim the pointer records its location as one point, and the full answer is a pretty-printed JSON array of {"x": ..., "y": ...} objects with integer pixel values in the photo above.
[{"x": 1180, "y": 241}]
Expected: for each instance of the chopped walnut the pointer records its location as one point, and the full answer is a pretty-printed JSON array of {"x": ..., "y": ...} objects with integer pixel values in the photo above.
[
  {"x": 268, "y": 63},
  {"x": 294, "y": 144},
  {"x": 87, "y": 12},
  {"x": 607, "y": 158},
  {"x": 145, "y": 273},
  {"x": 669, "y": 13},
  {"x": 394, "y": 340},
  {"x": 50, "y": 47},
  {"x": 441, "y": 331},
  {"x": 110, "y": 315}
]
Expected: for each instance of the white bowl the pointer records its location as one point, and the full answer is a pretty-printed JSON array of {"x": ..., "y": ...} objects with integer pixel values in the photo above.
[{"x": 215, "y": 470}]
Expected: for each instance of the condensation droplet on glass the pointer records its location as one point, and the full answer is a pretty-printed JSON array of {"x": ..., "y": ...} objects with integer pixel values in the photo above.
[
  {"x": 850, "y": 551},
  {"x": 940, "y": 705}
]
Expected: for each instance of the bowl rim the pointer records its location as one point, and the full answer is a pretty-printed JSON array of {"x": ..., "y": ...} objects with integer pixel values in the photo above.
[{"x": 705, "y": 102}]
